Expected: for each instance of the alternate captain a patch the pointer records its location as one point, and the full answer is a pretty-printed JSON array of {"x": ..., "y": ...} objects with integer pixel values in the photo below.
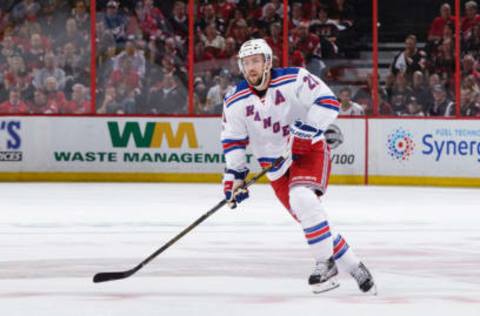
[{"x": 279, "y": 98}]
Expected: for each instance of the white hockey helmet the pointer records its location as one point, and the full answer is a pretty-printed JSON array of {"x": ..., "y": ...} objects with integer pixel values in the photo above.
[{"x": 255, "y": 47}]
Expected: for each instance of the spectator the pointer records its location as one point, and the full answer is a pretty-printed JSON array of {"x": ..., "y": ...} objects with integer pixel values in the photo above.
[
  {"x": 169, "y": 99},
  {"x": 41, "y": 105},
  {"x": 217, "y": 93},
  {"x": 115, "y": 22},
  {"x": 410, "y": 59},
  {"x": 342, "y": 12},
  {"x": 79, "y": 103},
  {"x": 200, "y": 96},
  {"x": 436, "y": 28},
  {"x": 413, "y": 108},
  {"x": 17, "y": 77},
  {"x": 399, "y": 93},
  {"x": 470, "y": 19},
  {"x": 230, "y": 49},
  {"x": 469, "y": 67},
  {"x": 14, "y": 104},
  {"x": 209, "y": 17},
  {"x": 275, "y": 40},
  {"x": 50, "y": 70},
  {"x": 178, "y": 22},
  {"x": 81, "y": 16},
  {"x": 470, "y": 106},
  {"x": 420, "y": 90},
  {"x": 348, "y": 107},
  {"x": 269, "y": 16},
  {"x": 136, "y": 59},
  {"x": 36, "y": 53},
  {"x": 297, "y": 15},
  {"x": 54, "y": 95},
  {"x": 214, "y": 42},
  {"x": 150, "y": 19},
  {"x": 441, "y": 106}
]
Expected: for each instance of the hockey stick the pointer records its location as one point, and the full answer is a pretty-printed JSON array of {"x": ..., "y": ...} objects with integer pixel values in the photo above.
[{"x": 111, "y": 276}]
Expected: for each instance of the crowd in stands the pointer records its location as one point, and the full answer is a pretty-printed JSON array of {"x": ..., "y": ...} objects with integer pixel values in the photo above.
[
  {"x": 421, "y": 81},
  {"x": 318, "y": 30},
  {"x": 142, "y": 55},
  {"x": 45, "y": 57}
]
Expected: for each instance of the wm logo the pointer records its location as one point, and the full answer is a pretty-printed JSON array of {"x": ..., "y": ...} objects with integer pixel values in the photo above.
[{"x": 153, "y": 134}]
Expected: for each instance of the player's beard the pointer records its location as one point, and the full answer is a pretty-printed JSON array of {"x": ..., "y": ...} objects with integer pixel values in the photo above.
[{"x": 256, "y": 82}]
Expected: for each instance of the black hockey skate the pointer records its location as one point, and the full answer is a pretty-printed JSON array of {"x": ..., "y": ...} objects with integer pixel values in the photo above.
[
  {"x": 323, "y": 277},
  {"x": 364, "y": 279}
]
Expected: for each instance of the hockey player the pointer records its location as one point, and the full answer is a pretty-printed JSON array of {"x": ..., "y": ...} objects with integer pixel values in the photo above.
[{"x": 283, "y": 112}]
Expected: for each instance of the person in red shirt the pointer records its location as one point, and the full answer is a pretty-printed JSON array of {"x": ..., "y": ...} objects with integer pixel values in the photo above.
[
  {"x": 41, "y": 105},
  {"x": 470, "y": 19},
  {"x": 307, "y": 43},
  {"x": 436, "y": 28},
  {"x": 55, "y": 96},
  {"x": 79, "y": 103},
  {"x": 14, "y": 105}
]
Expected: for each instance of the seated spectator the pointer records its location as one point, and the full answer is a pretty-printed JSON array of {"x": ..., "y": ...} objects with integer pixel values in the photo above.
[
  {"x": 472, "y": 44},
  {"x": 441, "y": 106},
  {"x": 269, "y": 16},
  {"x": 413, "y": 108},
  {"x": 214, "y": 42},
  {"x": 217, "y": 93},
  {"x": 420, "y": 90},
  {"x": 36, "y": 51},
  {"x": 7, "y": 50},
  {"x": 72, "y": 35},
  {"x": 136, "y": 59},
  {"x": 469, "y": 67},
  {"x": 470, "y": 19},
  {"x": 50, "y": 70},
  {"x": 169, "y": 99},
  {"x": 209, "y": 17},
  {"x": 436, "y": 28},
  {"x": 347, "y": 106},
  {"x": 179, "y": 21},
  {"x": 225, "y": 9},
  {"x": 24, "y": 8},
  {"x": 41, "y": 105},
  {"x": 469, "y": 104},
  {"x": 17, "y": 77},
  {"x": 297, "y": 15},
  {"x": 275, "y": 40},
  {"x": 200, "y": 96},
  {"x": 125, "y": 75},
  {"x": 81, "y": 16},
  {"x": 115, "y": 22},
  {"x": 150, "y": 19},
  {"x": 410, "y": 59},
  {"x": 54, "y": 95},
  {"x": 14, "y": 104},
  {"x": 399, "y": 92},
  {"x": 79, "y": 103},
  {"x": 229, "y": 50}
]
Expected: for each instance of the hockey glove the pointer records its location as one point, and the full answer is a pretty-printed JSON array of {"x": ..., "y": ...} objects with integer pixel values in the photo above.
[
  {"x": 301, "y": 137},
  {"x": 232, "y": 182}
]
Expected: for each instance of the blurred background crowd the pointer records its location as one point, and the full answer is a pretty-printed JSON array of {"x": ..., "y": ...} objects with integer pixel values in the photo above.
[
  {"x": 45, "y": 56},
  {"x": 142, "y": 54}
]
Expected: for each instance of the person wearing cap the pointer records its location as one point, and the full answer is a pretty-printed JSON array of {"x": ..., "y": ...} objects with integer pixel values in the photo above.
[
  {"x": 442, "y": 105},
  {"x": 115, "y": 22}
]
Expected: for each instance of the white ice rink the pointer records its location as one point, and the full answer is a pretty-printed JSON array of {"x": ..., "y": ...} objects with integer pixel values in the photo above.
[{"x": 422, "y": 245}]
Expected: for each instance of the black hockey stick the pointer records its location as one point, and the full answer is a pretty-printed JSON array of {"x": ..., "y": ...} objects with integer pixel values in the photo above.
[{"x": 111, "y": 276}]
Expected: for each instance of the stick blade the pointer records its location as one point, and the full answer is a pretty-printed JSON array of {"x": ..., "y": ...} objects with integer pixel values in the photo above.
[{"x": 111, "y": 276}]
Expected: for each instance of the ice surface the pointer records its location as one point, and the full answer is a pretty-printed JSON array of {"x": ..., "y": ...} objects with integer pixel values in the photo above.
[{"x": 421, "y": 244}]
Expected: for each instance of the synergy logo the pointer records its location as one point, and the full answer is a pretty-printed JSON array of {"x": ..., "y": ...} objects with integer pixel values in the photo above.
[
  {"x": 400, "y": 144},
  {"x": 153, "y": 134},
  {"x": 10, "y": 141}
]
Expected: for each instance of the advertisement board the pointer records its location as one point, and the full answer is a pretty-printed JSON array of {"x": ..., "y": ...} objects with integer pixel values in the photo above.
[
  {"x": 429, "y": 151},
  {"x": 148, "y": 146}
]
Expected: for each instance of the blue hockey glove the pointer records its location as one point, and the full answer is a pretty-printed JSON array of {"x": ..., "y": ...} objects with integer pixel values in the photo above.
[{"x": 232, "y": 182}]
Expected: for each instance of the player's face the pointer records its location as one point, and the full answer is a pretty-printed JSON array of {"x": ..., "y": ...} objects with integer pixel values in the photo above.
[{"x": 253, "y": 67}]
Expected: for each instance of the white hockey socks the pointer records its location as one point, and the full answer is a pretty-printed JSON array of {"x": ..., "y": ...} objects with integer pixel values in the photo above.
[
  {"x": 344, "y": 257},
  {"x": 309, "y": 211}
]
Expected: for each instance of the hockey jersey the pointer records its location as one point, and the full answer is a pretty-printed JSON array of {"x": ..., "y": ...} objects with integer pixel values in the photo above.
[{"x": 263, "y": 123}]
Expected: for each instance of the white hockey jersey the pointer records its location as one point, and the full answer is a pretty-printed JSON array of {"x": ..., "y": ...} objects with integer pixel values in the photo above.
[{"x": 263, "y": 124}]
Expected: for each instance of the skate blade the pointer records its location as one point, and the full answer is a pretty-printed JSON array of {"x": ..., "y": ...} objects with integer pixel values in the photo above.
[
  {"x": 373, "y": 291},
  {"x": 325, "y": 286}
]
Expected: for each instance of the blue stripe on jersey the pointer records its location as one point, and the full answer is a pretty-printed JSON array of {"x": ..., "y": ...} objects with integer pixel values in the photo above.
[
  {"x": 226, "y": 151},
  {"x": 329, "y": 102},
  {"x": 231, "y": 140},
  {"x": 238, "y": 99},
  {"x": 278, "y": 72}
]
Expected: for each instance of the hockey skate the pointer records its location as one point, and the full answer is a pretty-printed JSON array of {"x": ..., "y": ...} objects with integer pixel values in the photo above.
[
  {"x": 364, "y": 279},
  {"x": 323, "y": 278}
]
